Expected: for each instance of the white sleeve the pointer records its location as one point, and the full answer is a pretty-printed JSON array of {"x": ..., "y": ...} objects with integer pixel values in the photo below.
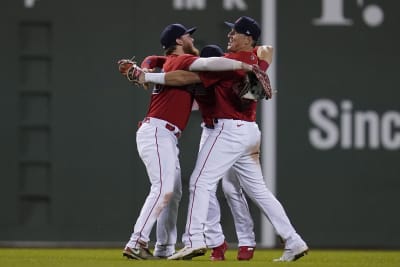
[
  {"x": 215, "y": 64},
  {"x": 158, "y": 78}
]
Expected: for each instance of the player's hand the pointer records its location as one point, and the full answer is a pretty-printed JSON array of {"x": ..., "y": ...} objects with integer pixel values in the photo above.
[{"x": 247, "y": 67}]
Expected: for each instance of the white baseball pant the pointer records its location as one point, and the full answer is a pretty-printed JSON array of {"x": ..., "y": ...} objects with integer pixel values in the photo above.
[
  {"x": 157, "y": 147},
  {"x": 232, "y": 144},
  {"x": 236, "y": 200}
]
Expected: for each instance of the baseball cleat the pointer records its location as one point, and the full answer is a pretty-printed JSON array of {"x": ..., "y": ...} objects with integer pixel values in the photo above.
[
  {"x": 218, "y": 253},
  {"x": 294, "y": 253},
  {"x": 138, "y": 254},
  {"x": 187, "y": 253},
  {"x": 245, "y": 253},
  {"x": 163, "y": 252}
]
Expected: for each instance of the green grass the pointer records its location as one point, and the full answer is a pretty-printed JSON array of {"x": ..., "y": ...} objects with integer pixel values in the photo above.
[{"x": 19, "y": 257}]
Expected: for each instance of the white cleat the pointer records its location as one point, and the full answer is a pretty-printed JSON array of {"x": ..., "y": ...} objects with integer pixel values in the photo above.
[
  {"x": 187, "y": 253},
  {"x": 294, "y": 253}
]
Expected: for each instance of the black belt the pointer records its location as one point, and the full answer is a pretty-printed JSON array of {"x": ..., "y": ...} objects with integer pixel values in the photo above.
[{"x": 209, "y": 123}]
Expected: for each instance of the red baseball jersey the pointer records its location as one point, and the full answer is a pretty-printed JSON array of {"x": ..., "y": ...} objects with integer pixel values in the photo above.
[
  {"x": 169, "y": 103},
  {"x": 228, "y": 104},
  {"x": 205, "y": 98}
]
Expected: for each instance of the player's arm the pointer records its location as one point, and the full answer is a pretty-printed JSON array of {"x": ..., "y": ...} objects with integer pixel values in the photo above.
[
  {"x": 152, "y": 62},
  {"x": 251, "y": 89},
  {"x": 218, "y": 64},
  {"x": 173, "y": 78},
  {"x": 135, "y": 74},
  {"x": 264, "y": 52},
  {"x": 180, "y": 78},
  {"x": 149, "y": 64}
]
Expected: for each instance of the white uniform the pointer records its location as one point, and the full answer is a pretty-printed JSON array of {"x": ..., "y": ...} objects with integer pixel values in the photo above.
[
  {"x": 218, "y": 154},
  {"x": 234, "y": 143},
  {"x": 157, "y": 144},
  {"x": 157, "y": 147},
  {"x": 236, "y": 200}
]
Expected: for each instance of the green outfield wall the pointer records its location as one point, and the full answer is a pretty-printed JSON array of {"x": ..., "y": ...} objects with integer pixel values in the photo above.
[{"x": 69, "y": 169}]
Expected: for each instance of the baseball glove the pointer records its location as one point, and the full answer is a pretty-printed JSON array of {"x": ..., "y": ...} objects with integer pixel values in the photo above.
[
  {"x": 133, "y": 72},
  {"x": 263, "y": 79},
  {"x": 124, "y": 65},
  {"x": 251, "y": 89}
]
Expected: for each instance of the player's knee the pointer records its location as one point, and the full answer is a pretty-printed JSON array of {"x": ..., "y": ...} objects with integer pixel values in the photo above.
[{"x": 168, "y": 196}]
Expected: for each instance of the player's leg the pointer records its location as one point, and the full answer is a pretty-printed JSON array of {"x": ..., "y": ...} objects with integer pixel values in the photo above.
[
  {"x": 213, "y": 233},
  {"x": 157, "y": 148},
  {"x": 166, "y": 223},
  {"x": 243, "y": 221},
  {"x": 216, "y": 156},
  {"x": 212, "y": 229},
  {"x": 255, "y": 188},
  {"x": 249, "y": 172}
]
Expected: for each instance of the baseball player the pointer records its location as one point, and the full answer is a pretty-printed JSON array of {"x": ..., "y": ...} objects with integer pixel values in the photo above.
[
  {"x": 157, "y": 140},
  {"x": 234, "y": 143},
  {"x": 231, "y": 186}
]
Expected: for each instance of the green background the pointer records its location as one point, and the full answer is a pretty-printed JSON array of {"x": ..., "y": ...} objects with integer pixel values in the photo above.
[{"x": 69, "y": 169}]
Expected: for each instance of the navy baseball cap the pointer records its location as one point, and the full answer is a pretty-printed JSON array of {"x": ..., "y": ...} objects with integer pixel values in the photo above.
[
  {"x": 211, "y": 51},
  {"x": 247, "y": 26},
  {"x": 173, "y": 32}
]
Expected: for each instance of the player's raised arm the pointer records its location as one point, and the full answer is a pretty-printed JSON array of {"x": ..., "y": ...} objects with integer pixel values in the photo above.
[
  {"x": 264, "y": 52},
  {"x": 218, "y": 64}
]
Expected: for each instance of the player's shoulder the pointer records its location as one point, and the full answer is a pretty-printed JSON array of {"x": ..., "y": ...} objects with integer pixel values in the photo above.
[
  {"x": 183, "y": 57},
  {"x": 265, "y": 52},
  {"x": 185, "y": 60},
  {"x": 244, "y": 56},
  {"x": 188, "y": 56}
]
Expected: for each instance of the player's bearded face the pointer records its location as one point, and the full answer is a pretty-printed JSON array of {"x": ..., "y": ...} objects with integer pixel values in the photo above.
[
  {"x": 190, "y": 49},
  {"x": 188, "y": 46}
]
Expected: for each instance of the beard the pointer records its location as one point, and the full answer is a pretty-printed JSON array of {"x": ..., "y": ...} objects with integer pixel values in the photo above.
[{"x": 190, "y": 49}]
